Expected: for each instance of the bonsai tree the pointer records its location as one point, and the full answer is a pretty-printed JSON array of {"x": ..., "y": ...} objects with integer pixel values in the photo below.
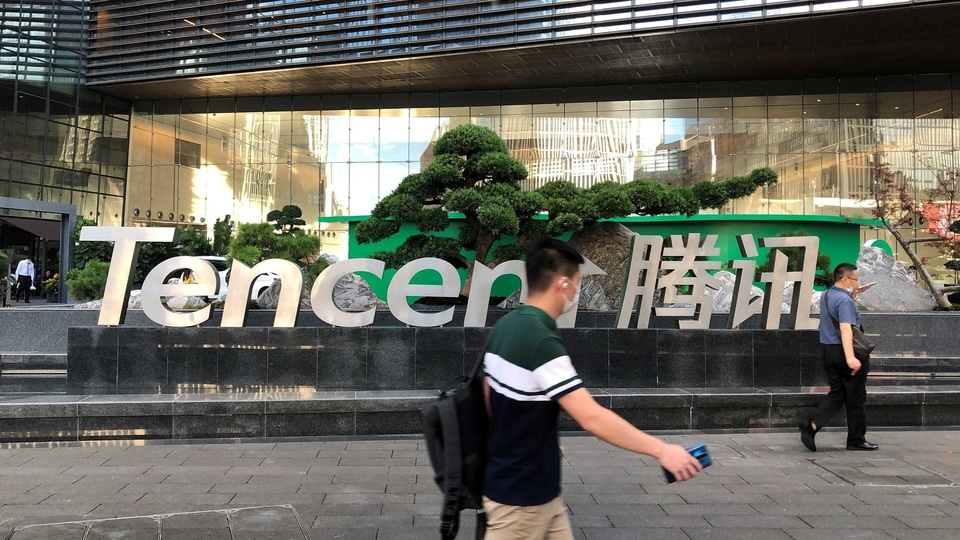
[
  {"x": 474, "y": 174},
  {"x": 288, "y": 219},
  {"x": 279, "y": 240}
]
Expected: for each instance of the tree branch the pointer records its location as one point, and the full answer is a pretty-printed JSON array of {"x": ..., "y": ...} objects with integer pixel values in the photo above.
[{"x": 919, "y": 240}]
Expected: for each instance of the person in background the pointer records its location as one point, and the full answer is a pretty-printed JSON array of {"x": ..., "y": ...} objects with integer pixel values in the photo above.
[
  {"x": 25, "y": 274},
  {"x": 846, "y": 374}
]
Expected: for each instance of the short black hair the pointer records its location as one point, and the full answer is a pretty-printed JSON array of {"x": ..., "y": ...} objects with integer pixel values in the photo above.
[
  {"x": 548, "y": 258},
  {"x": 843, "y": 270}
]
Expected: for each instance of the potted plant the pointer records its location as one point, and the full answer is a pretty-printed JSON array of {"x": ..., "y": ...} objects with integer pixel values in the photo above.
[{"x": 52, "y": 288}]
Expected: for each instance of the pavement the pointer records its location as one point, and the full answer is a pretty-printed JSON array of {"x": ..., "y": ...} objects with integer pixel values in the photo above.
[{"x": 762, "y": 485}]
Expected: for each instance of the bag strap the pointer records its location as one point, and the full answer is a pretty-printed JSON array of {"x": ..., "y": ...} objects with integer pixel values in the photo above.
[
  {"x": 452, "y": 455},
  {"x": 826, "y": 303},
  {"x": 450, "y": 512},
  {"x": 836, "y": 323}
]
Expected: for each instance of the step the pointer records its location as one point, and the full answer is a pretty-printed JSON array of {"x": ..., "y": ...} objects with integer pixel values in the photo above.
[
  {"x": 39, "y": 363},
  {"x": 270, "y": 412}
]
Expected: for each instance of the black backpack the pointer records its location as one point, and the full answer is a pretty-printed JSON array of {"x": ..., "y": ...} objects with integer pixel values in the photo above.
[{"x": 456, "y": 428}]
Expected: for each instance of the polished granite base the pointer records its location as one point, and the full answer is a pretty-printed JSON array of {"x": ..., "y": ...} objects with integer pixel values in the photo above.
[
  {"x": 258, "y": 412},
  {"x": 123, "y": 359}
]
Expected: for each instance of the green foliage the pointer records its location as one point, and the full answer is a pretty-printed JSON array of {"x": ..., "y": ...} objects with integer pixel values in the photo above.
[
  {"x": 256, "y": 242},
  {"x": 187, "y": 242},
  {"x": 193, "y": 242},
  {"x": 88, "y": 282},
  {"x": 87, "y": 252},
  {"x": 823, "y": 277},
  {"x": 312, "y": 270},
  {"x": 287, "y": 220},
  {"x": 4, "y": 259},
  {"x": 222, "y": 231},
  {"x": 474, "y": 174}
]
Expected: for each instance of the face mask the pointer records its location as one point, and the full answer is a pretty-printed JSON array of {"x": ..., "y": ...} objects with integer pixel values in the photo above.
[
  {"x": 572, "y": 303},
  {"x": 849, "y": 290}
]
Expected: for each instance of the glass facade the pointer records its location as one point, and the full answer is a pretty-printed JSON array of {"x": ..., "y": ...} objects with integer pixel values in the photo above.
[
  {"x": 198, "y": 160},
  {"x": 59, "y": 142}
]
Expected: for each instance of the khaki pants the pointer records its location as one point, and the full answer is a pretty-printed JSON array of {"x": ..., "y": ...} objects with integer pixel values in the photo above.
[{"x": 544, "y": 522}]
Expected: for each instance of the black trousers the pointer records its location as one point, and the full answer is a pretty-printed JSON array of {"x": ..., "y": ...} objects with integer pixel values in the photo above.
[
  {"x": 845, "y": 390},
  {"x": 23, "y": 287}
]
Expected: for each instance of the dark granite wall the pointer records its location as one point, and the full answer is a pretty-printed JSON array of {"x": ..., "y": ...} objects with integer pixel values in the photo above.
[{"x": 120, "y": 359}]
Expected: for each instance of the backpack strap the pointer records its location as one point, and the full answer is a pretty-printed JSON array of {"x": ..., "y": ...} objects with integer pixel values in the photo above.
[{"x": 450, "y": 512}]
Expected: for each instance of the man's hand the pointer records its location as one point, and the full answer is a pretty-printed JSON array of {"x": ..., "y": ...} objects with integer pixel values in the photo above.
[
  {"x": 679, "y": 462},
  {"x": 854, "y": 365}
]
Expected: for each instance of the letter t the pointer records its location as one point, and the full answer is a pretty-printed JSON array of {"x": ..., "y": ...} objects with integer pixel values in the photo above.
[{"x": 126, "y": 248}]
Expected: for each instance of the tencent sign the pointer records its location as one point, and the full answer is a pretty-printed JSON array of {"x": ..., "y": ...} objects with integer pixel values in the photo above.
[{"x": 680, "y": 270}]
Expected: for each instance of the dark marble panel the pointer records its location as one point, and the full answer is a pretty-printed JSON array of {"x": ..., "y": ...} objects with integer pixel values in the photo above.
[
  {"x": 342, "y": 358},
  {"x": 789, "y": 417},
  {"x": 936, "y": 415},
  {"x": 192, "y": 355},
  {"x": 130, "y": 406},
  {"x": 729, "y": 358},
  {"x": 681, "y": 359},
  {"x": 243, "y": 356},
  {"x": 212, "y": 405},
  {"x": 38, "y": 410},
  {"x": 439, "y": 356},
  {"x": 941, "y": 395},
  {"x": 633, "y": 358},
  {"x": 589, "y": 350},
  {"x": 142, "y": 359},
  {"x": 731, "y": 397},
  {"x": 811, "y": 359},
  {"x": 97, "y": 428},
  {"x": 474, "y": 341},
  {"x": 292, "y": 356},
  {"x": 92, "y": 353},
  {"x": 627, "y": 398},
  {"x": 795, "y": 397},
  {"x": 732, "y": 417},
  {"x": 566, "y": 423},
  {"x": 311, "y": 425},
  {"x": 390, "y": 358},
  {"x": 894, "y": 395},
  {"x": 776, "y": 358},
  {"x": 38, "y": 429},
  {"x": 386, "y": 423},
  {"x": 330, "y": 402},
  {"x": 894, "y": 415},
  {"x": 657, "y": 419},
  {"x": 227, "y": 427},
  {"x": 398, "y": 401}
]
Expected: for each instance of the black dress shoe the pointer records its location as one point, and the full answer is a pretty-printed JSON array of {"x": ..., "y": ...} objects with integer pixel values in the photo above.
[
  {"x": 806, "y": 436},
  {"x": 864, "y": 446}
]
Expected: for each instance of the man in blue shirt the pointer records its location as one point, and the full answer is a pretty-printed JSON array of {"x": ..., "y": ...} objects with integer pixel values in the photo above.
[
  {"x": 529, "y": 377},
  {"x": 846, "y": 374}
]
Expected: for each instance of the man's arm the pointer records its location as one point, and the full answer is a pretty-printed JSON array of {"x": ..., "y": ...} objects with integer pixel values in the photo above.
[{"x": 611, "y": 428}]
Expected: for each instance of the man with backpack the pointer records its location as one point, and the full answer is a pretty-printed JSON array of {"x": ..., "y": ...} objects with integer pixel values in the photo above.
[{"x": 528, "y": 378}]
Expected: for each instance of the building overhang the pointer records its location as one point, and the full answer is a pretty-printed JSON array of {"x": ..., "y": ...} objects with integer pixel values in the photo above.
[{"x": 916, "y": 39}]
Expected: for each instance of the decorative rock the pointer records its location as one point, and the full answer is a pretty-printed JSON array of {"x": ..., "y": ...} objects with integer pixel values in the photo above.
[
  {"x": 896, "y": 288},
  {"x": 607, "y": 244},
  {"x": 271, "y": 297},
  {"x": 353, "y": 293},
  {"x": 592, "y": 296}
]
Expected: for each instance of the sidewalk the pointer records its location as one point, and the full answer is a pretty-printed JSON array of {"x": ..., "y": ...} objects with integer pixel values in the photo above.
[{"x": 762, "y": 485}]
